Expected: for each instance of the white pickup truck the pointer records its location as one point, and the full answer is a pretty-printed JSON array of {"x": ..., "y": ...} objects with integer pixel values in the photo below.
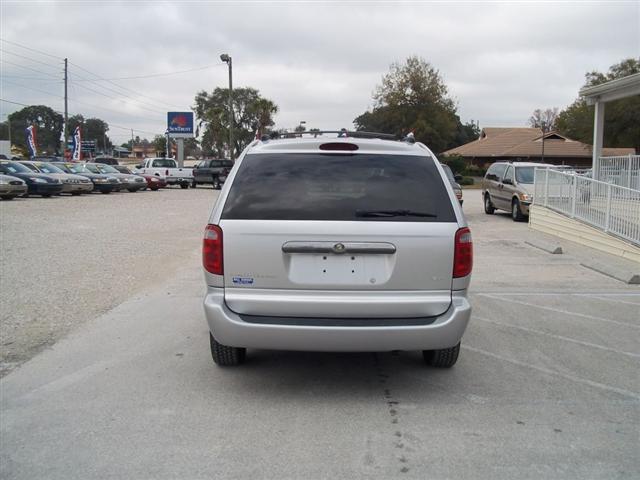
[{"x": 167, "y": 168}]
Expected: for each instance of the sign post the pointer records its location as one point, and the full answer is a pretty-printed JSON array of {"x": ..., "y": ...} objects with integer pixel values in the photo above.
[{"x": 179, "y": 126}]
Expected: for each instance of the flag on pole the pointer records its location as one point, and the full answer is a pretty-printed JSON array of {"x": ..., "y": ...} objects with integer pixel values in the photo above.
[
  {"x": 77, "y": 145},
  {"x": 30, "y": 133}
]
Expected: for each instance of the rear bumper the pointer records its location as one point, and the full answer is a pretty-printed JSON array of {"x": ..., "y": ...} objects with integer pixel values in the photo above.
[
  {"x": 179, "y": 180},
  {"x": 228, "y": 328}
]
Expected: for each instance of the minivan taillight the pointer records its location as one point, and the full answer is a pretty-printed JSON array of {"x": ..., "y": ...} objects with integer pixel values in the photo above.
[
  {"x": 463, "y": 254},
  {"x": 212, "y": 250}
]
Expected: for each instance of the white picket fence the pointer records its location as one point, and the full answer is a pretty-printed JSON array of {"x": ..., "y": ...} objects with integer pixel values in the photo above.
[
  {"x": 622, "y": 171},
  {"x": 607, "y": 206}
]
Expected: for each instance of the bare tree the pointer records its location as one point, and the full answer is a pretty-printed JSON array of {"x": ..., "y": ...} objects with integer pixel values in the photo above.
[{"x": 544, "y": 119}]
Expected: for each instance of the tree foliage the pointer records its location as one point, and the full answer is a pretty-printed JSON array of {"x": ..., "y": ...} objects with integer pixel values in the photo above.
[
  {"x": 545, "y": 120},
  {"x": 622, "y": 117},
  {"x": 251, "y": 112},
  {"x": 414, "y": 98},
  {"x": 48, "y": 125}
]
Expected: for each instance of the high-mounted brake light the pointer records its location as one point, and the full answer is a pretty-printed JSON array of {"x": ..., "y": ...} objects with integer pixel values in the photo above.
[
  {"x": 212, "y": 250},
  {"x": 339, "y": 146},
  {"x": 463, "y": 253}
]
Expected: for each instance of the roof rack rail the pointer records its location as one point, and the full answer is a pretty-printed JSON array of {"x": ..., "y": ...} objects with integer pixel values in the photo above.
[{"x": 340, "y": 133}]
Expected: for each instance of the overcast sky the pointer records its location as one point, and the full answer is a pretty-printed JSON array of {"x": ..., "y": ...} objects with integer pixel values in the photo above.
[{"x": 318, "y": 61}]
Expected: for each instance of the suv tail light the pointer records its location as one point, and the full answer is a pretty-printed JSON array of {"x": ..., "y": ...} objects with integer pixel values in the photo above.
[
  {"x": 212, "y": 250},
  {"x": 463, "y": 254}
]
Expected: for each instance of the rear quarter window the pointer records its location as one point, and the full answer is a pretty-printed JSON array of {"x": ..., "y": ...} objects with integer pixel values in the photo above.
[{"x": 338, "y": 187}]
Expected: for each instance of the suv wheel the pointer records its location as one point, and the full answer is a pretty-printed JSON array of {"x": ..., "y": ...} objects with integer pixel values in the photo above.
[
  {"x": 516, "y": 213},
  {"x": 194, "y": 184},
  {"x": 216, "y": 184},
  {"x": 226, "y": 356},
  {"x": 443, "y": 358},
  {"x": 488, "y": 206}
]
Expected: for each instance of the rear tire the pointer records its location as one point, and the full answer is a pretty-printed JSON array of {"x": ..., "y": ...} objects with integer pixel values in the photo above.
[
  {"x": 184, "y": 185},
  {"x": 225, "y": 356},
  {"x": 194, "y": 184},
  {"x": 516, "y": 213},
  {"x": 75, "y": 194},
  {"x": 443, "y": 358},
  {"x": 489, "y": 209},
  {"x": 8, "y": 197},
  {"x": 106, "y": 192}
]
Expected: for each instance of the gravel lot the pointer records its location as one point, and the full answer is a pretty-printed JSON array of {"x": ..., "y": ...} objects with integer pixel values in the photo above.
[{"x": 65, "y": 260}]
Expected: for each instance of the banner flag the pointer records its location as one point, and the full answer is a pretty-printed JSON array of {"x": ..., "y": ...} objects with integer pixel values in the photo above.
[
  {"x": 30, "y": 133},
  {"x": 77, "y": 145}
]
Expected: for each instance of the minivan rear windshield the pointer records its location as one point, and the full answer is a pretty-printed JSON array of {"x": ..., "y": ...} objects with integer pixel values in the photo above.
[{"x": 360, "y": 187}]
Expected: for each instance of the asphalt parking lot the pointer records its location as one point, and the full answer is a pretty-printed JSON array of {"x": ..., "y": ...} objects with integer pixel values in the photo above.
[{"x": 547, "y": 384}]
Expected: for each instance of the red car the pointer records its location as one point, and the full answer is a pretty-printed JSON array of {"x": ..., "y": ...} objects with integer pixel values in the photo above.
[{"x": 154, "y": 182}]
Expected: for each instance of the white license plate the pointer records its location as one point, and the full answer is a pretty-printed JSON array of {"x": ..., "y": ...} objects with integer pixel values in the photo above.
[{"x": 331, "y": 269}]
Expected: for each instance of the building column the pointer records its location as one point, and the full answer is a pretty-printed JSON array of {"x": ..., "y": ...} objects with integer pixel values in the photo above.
[{"x": 598, "y": 135}]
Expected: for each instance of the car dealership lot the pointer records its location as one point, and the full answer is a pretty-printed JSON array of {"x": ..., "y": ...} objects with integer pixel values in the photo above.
[{"x": 546, "y": 386}]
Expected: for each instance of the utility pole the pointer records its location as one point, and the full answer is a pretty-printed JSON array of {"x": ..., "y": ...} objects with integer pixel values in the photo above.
[
  {"x": 543, "y": 134},
  {"x": 227, "y": 59},
  {"x": 66, "y": 109},
  {"x": 132, "y": 154}
]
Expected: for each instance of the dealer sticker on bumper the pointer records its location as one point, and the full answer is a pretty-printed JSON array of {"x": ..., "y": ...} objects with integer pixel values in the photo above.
[{"x": 243, "y": 280}]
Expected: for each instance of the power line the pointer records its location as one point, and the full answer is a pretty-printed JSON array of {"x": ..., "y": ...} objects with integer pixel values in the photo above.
[
  {"x": 154, "y": 75},
  {"x": 30, "y": 49},
  {"x": 34, "y": 89},
  {"x": 50, "y": 65},
  {"x": 99, "y": 78},
  {"x": 29, "y": 68},
  {"x": 115, "y": 98},
  {"x": 30, "y": 78}
]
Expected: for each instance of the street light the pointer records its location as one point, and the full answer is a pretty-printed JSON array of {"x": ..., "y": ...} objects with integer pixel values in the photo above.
[{"x": 227, "y": 59}]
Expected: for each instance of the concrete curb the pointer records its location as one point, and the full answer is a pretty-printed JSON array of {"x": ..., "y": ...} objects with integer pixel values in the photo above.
[
  {"x": 619, "y": 273},
  {"x": 548, "y": 247}
]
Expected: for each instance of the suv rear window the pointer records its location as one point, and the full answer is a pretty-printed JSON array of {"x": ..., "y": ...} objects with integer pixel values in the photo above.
[{"x": 360, "y": 187}]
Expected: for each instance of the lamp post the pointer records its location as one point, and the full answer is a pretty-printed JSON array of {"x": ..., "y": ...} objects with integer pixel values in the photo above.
[
  {"x": 543, "y": 125},
  {"x": 227, "y": 59}
]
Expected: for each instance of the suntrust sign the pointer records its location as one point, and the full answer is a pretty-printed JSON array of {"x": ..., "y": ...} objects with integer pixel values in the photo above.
[{"x": 180, "y": 124}]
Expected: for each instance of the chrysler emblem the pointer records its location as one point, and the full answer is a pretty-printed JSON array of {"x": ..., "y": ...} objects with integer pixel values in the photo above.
[{"x": 339, "y": 248}]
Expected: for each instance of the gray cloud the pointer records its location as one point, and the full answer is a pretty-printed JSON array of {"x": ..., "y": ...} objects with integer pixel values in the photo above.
[{"x": 318, "y": 62}]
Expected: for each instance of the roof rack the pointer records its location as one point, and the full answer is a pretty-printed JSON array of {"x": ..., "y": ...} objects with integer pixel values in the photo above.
[{"x": 340, "y": 133}]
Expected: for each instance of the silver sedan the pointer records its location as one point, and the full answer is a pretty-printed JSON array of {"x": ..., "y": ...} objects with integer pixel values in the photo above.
[{"x": 11, "y": 187}]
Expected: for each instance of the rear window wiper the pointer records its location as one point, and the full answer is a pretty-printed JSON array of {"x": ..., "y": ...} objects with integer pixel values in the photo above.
[{"x": 393, "y": 213}]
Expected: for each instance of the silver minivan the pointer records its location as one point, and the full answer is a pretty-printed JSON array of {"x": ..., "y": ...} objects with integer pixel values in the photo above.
[{"x": 337, "y": 244}]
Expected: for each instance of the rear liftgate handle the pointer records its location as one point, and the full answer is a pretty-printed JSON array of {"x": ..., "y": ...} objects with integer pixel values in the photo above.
[{"x": 339, "y": 248}]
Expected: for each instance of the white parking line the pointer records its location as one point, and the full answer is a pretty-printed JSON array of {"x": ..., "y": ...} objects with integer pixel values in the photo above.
[
  {"x": 559, "y": 310},
  {"x": 616, "y": 300},
  {"x": 559, "y": 337},
  {"x": 547, "y": 371}
]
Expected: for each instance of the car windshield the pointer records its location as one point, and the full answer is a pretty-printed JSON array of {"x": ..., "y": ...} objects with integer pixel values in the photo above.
[
  {"x": 105, "y": 168},
  {"x": 78, "y": 168},
  {"x": 122, "y": 169},
  {"x": 14, "y": 167},
  {"x": 525, "y": 174},
  {"x": 362, "y": 187},
  {"x": 164, "y": 163},
  {"x": 30, "y": 166},
  {"x": 47, "y": 168}
]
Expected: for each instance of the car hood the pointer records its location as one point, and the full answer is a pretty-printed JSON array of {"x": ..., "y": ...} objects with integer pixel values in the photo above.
[
  {"x": 47, "y": 177},
  {"x": 10, "y": 178}
]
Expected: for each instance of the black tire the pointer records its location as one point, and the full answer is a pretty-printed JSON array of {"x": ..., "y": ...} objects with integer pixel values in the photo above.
[
  {"x": 225, "y": 356},
  {"x": 106, "y": 192},
  {"x": 443, "y": 358},
  {"x": 516, "y": 212},
  {"x": 216, "y": 183},
  {"x": 154, "y": 189},
  {"x": 132, "y": 190},
  {"x": 75, "y": 194},
  {"x": 184, "y": 185},
  {"x": 8, "y": 197},
  {"x": 489, "y": 209},
  {"x": 46, "y": 195},
  {"x": 194, "y": 184}
]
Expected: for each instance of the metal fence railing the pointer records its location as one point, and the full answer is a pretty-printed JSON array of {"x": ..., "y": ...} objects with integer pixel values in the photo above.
[
  {"x": 622, "y": 171},
  {"x": 607, "y": 206}
]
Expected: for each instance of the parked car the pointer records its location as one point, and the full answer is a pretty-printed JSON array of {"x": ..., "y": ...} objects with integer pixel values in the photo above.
[
  {"x": 37, "y": 183},
  {"x": 509, "y": 186},
  {"x": 166, "y": 167},
  {"x": 337, "y": 244},
  {"x": 105, "y": 160},
  {"x": 454, "y": 179},
  {"x": 101, "y": 183},
  {"x": 71, "y": 183},
  {"x": 154, "y": 182},
  {"x": 213, "y": 171},
  {"x": 154, "y": 185},
  {"x": 11, "y": 187},
  {"x": 132, "y": 183}
]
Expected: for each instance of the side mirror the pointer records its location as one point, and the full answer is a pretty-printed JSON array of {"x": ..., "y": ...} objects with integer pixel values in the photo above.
[
  {"x": 507, "y": 181},
  {"x": 457, "y": 178}
]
